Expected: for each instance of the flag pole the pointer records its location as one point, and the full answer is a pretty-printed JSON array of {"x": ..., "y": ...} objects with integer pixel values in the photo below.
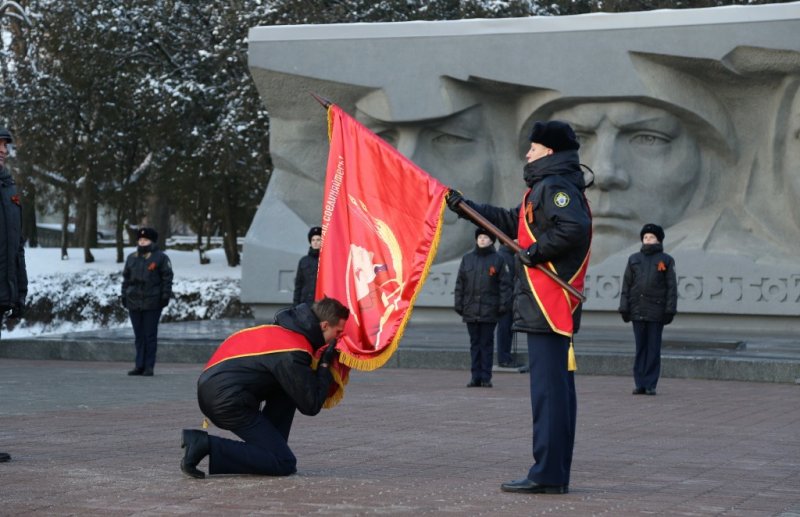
[
  {"x": 508, "y": 241},
  {"x": 322, "y": 100}
]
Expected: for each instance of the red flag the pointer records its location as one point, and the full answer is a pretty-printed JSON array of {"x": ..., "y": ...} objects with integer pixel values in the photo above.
[{"x": 381, "y": 221}]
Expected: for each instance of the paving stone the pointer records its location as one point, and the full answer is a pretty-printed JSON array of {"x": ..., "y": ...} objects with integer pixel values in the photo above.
[{"x": 86, "y": 439}]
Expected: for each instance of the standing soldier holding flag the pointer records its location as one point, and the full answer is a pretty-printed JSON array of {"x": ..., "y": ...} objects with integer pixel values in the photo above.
[{"x": 553, "y": 224}]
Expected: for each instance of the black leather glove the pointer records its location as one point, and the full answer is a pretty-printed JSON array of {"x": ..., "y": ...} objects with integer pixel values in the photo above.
[
  {"x": 626, "y": 316},
  {"x": 460, "y": 312},
  {"x": 328, "y": 355},
  {"x": 668, "y": 318},
  {"x": 123, "y": 301},
  {"x": 17, "y": 311},
  {"x": 525, "y": 258},
  {"x": 502, "y": 310},
  {"x": 164, "y": 302},
  {"x": 453, "y": 198}
]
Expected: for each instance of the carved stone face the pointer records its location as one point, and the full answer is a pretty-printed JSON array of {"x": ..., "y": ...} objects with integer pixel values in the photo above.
[
  {"x": 646, "y": 168},
  {"x": 791, "y": 155},
  {"x": 456, "y": 150}
]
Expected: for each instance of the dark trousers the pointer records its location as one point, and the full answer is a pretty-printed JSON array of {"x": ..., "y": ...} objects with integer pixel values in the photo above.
[
  {"x": 265, "y": 449},
  {"x": 481, "y": 349},
  {"x": 647, "y": 364},
  {"x": 554, "y": 406},
  {"x": 145, "y": 330},
  {"x": 504, "y": 338}
]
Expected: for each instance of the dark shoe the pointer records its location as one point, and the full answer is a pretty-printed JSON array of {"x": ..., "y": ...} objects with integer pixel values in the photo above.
[
  {"x": 196, "y": 445},
  {"x": 136, "y": 371},
  {"x": 638, "y": 391},
  {"x": 474, "y": 384},
  {"x": 4, "y": 457},
  {"x": 147, "y": 373},
  {"x": 486, "y": 384},
  {"x": 650, "y": 391},
  {"x": 526, "y": 486}
]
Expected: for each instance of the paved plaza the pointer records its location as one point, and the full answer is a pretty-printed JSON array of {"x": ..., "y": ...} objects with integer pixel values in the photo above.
[{"x": 86, "y": 439}]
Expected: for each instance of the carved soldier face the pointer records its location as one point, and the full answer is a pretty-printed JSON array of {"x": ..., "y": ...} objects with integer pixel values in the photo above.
[
  {"x": 457, "y": 151},
  {"x": 791, "y": 154},
  {"x": 646, "y": 166}
]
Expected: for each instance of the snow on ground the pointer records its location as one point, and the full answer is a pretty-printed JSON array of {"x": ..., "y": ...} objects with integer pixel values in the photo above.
[
  {"x": 71, "y": 295},
  {"x": 185, "y": 264}
]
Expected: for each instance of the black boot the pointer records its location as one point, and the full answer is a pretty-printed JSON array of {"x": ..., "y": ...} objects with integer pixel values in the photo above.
[
  {"x": 196, "y": 445},
  {"x": 136, "y": 371},
  {"x": 4, "y": 456}
]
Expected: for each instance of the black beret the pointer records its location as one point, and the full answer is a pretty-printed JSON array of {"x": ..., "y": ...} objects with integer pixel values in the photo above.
[
  {"x": 556, "y": 135},
  {"x": 147, "y": 233},
  {"x": 315, "y": 230},
  {"x": 654, "y": 229}
]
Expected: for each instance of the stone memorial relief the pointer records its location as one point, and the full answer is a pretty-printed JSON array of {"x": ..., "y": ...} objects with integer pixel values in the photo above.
[{"x": 688, "y": 119}]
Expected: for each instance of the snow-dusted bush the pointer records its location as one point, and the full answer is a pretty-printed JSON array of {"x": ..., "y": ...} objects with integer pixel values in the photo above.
[{"x": 90, "y": 299}]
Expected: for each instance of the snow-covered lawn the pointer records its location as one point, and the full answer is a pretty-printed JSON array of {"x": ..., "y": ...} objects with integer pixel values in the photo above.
[{"x": 70, "y": 295}]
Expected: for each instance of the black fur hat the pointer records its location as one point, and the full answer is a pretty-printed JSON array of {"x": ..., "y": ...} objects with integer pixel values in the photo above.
[
  {"x": 654, "y": 229},
  {"x": 147, "y": 233},
  {"x": 556, "y": 135},
  {"x": 315, "y": 230},
  {"x": 481, "y": 231},
  {"x": 5, "y": 134}
]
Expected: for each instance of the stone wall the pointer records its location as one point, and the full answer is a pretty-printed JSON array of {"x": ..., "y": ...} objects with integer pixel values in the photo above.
[{"x": 689, "y": 119}]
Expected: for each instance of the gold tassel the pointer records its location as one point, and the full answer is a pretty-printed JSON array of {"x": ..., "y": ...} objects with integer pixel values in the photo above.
[
  {"x": 205, "y": 423},
  {"x": 572, "y": 365}
]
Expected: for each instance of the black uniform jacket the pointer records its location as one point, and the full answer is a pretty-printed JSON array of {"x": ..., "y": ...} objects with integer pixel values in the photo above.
[
  {"x": 562, "y": 225},
  {"x": 510, "y": 259},
  {"x": 483, "y": 286},
  {"x": 650, "y": 285},
  {"x": 13, "y": 275},
  {"x": 147, "y": 280},
  {"x": 226, "y": 390},
  {"x": 305, "y": 281}
]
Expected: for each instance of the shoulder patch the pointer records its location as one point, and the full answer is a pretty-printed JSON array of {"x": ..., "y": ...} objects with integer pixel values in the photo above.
[{"x": 561, "y": 199}]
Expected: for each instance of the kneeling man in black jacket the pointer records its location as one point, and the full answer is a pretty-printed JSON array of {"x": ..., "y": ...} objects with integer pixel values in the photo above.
[{"x": 273, "y": 364}]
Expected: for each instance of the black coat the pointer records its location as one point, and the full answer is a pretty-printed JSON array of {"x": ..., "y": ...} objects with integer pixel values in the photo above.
[
  {"x": 147, "y": 280},
  {"x": 649, "y": 286},
  {"x": 305, "y": 281},
  {"x": 483, "y": 286},
  {"x": 227, "y": 388},
  {"x": 562, "y": 231},
  {"x": 13, "y": 274},
  {"x": 510, "y": 258}
]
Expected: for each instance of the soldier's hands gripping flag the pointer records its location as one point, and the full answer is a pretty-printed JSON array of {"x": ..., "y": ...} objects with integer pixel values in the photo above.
[{"x": 381, "y": 221}]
